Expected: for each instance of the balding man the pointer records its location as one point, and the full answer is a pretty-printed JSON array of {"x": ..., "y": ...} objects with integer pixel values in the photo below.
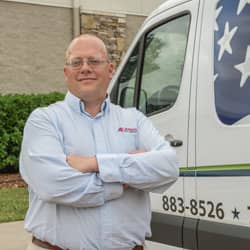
[{"x": 90, "y": 164}]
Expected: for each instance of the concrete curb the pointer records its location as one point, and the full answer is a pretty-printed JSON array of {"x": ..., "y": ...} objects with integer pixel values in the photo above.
[{"x": 13, "y": 236}]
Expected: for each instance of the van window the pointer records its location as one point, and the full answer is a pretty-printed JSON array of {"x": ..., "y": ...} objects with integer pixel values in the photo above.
[
  {"x": 159, "y": 67},
  {"x": 164, "y": 55},
  {"x": 127, "y": 80}
]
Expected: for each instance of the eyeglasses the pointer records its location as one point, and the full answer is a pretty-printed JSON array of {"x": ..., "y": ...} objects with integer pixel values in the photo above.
[{"x": 77, "y": 62}]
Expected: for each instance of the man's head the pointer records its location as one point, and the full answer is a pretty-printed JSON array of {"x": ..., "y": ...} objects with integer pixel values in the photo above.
[{"x": 88, "y": 70}]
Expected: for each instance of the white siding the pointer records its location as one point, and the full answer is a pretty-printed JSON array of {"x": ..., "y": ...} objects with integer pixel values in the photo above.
[
  {"x": 133, "y": 7},
  {"x": 57, "y": 3}
]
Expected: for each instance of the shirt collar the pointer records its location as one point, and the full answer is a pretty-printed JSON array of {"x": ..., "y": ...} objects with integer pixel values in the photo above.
[{"x": 78, "y": 106}]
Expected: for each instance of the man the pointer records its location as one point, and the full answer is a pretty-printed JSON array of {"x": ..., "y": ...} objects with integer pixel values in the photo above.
[{"x": 89, "y": 164}]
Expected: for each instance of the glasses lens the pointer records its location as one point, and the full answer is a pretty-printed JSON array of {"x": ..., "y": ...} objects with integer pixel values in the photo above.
[
  {"x": 94, "y": 61},
  {"x": 76, "y": 62}
]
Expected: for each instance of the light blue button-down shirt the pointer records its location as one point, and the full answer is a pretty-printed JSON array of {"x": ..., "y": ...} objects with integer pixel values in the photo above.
[{"x": 91, "y": 211}]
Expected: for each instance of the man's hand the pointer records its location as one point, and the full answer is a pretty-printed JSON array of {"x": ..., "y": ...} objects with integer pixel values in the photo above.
[
  {"x": 125, "y": 186},
  {"x": 137, "y": 151},
  {"x": 82, "y": 163}
]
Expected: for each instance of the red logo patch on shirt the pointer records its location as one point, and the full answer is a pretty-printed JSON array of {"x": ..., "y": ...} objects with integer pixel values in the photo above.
[{"x": 127, "y": 130}]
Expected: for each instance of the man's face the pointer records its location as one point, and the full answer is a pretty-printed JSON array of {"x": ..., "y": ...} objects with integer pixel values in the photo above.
[{"x": 89, "y": 80}]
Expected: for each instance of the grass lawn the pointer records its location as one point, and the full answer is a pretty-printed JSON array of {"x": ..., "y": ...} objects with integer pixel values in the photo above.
[{"x": 13, "y": 204}]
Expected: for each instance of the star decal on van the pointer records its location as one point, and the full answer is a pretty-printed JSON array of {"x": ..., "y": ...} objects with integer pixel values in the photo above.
[
  {"x": 241, "y": 5},
  {"x": 232, "y": 61},
  {"x": 225, "y": 41},
  {"x": 235, "y": 213},
  {"x": 244, "y": 68}
]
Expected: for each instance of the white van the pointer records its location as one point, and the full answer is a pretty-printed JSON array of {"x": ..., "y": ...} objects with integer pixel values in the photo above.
[{"x": 188, "y": 70}]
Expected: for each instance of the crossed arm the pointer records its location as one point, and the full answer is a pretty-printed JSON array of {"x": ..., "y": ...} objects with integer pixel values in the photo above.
[
  {"x": 82, "y": 181},
  {"x": 89, "y": 164}
]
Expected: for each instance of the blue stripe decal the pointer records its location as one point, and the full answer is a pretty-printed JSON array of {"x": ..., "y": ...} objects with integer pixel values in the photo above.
[{"x": 216, "y": 173}]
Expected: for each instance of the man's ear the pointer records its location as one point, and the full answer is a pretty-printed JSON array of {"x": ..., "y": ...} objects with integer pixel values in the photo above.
[
  {"x": 111, "y": 70},
  {"x": 65, "y": 73}
]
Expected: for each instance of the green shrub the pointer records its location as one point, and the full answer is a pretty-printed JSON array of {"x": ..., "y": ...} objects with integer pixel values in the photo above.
[{"x": 14, "y": 111}]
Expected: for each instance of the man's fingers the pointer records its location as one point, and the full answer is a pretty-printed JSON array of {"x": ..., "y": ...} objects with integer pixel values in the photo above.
[
  {"x": 137, "y": 151},
  {"x": 125, "y": 186}
]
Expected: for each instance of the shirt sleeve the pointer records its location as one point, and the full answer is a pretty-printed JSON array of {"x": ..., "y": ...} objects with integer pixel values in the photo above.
[
  {"x": 43, "y": 166},
  {"x": 155, "y": 170}
]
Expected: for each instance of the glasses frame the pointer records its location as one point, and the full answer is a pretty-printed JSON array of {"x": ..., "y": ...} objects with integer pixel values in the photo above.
[{"x": 91, "y": 62}]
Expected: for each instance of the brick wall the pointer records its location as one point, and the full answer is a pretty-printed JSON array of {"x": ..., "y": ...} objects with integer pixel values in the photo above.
[
  {"x": 116, "y": 31},
  {"x": 33, "y": 40}
]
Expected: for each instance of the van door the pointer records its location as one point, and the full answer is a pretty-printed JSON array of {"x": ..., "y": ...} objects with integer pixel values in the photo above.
[
  {"x": 156, "y": 78},
  {"x": 223, "y": 126}
]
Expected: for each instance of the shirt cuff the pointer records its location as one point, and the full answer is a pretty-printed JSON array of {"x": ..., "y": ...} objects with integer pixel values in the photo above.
[
  {"x": 109, "y": 167},
  {"x": 112, "y": 191}
]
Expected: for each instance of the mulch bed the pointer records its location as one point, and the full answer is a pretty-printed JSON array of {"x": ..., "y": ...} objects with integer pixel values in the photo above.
[{"x": 12, "y": 180}]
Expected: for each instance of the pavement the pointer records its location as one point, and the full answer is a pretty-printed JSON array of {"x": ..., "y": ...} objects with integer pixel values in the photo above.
[{"x": 13, "y": 236}]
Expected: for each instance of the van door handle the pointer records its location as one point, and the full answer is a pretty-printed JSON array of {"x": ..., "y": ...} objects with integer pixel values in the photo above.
[{"x": 173, "y": 142}]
